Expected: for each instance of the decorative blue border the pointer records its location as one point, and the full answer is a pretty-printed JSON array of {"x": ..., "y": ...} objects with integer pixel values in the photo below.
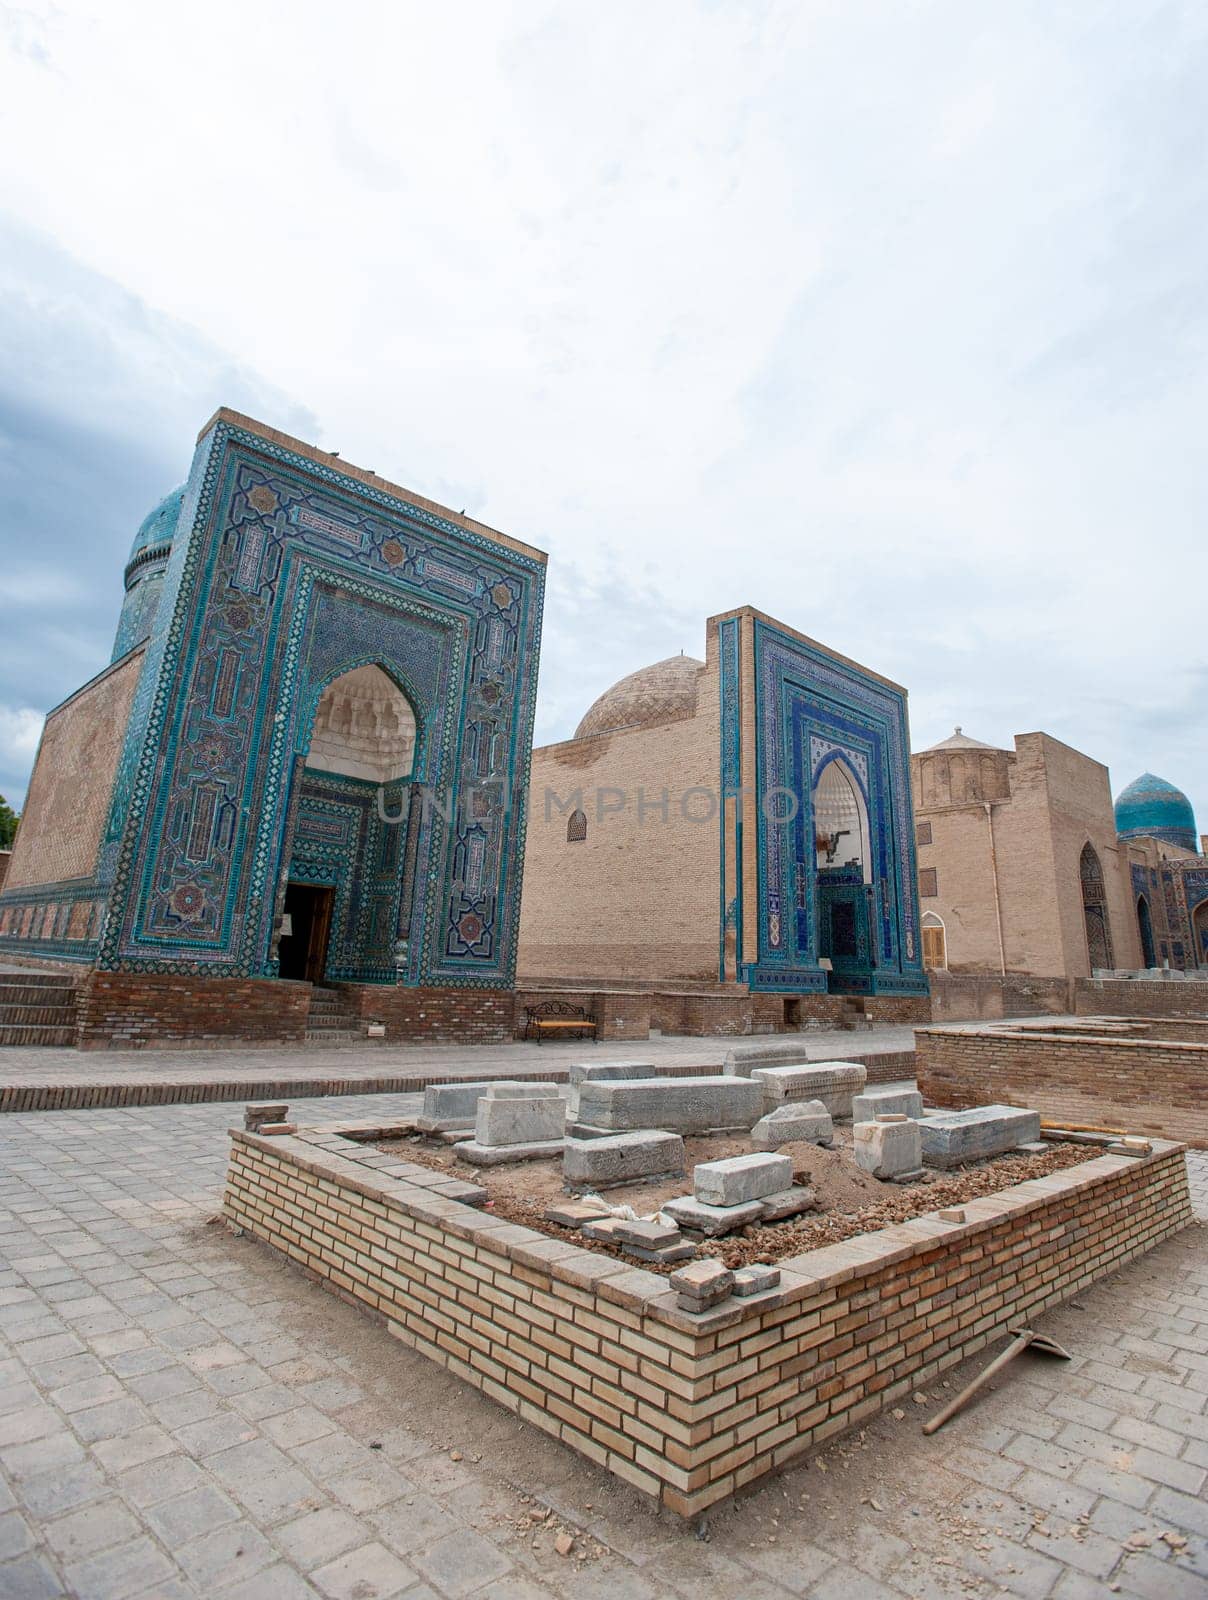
[
  {"x": 804, "y": 695},
  {"x": 730, "y": 672},
  {"x": 485, "y": 597}
]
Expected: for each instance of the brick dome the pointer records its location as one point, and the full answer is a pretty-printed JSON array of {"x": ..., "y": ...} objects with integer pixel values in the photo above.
[{"x": 661, "y": 693}]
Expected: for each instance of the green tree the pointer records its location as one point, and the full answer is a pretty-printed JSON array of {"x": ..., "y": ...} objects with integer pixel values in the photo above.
[{"x": 8, "y": 824}]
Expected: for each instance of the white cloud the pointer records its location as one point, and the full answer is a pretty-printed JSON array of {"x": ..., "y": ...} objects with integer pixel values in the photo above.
[
  {"x": 889, "y": 320},
  {"x": 20, "y": 730}
]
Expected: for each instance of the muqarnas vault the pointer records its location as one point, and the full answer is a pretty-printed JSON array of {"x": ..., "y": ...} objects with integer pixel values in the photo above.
[{"x": 308, "y": 757}]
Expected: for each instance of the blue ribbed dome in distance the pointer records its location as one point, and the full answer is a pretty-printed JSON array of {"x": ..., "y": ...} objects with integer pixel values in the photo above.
[
  {"x": 145, "y": 573},
  {"x": 158, "y": 526},
  {"x": 1151, "y": 807}
]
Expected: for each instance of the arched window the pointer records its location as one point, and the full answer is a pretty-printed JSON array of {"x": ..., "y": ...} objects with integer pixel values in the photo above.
[
  {"x": 576, "y": 827},
  {"x": 1145, "y": 926},
  {"x": 1094, "y": 910},
  {"x": 935, "y": 943}
]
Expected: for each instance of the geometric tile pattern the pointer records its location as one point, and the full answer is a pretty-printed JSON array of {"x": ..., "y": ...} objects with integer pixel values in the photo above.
[
  {"x": 812, "y": 709},
  {"x": 284, "y": 575}
]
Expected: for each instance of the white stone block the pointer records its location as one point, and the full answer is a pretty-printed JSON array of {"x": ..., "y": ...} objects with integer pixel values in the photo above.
[
  {"x": 738, "y": 1179},
  {"x": 874, "y": 1103},
  {"x": 508, "y": 1118},
  {"x": 888, "y": 1149}
]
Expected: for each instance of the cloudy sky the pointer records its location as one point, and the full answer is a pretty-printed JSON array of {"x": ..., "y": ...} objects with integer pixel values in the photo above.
[{"x": 887, "y": 318}]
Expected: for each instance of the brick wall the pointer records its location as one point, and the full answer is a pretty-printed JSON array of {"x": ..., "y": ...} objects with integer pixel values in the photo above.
[
  {"x": 617, "y": 1013},
  {"x": 1129, "y": 997},
  {"x": 691, "y": 1408},
  {"x": 969, "y": 997},
  {"x": 5, "y": 857},
  {"x": 439, "y": 1016},
  {"x": 631, "y": 1013},
  {"x": 133, "y": 1011},
  {"x": 638, "y": 897},
  {"x": 1048, "y": 801},
  {"x": 887, "y": 1008},
  {"x": 1141, "y": 1086},
  {"x": 72, "y": 780}
]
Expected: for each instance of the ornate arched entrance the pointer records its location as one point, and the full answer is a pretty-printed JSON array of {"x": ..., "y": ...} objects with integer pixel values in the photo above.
[{"x": 347, "y": 858}]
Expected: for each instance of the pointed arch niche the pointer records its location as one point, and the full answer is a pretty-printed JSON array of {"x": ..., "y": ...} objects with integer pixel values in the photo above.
[
  {"x": 1149, "y": 955},
  {"x": 842, "y": 836},
  {"x": 1094, "y": 909}
]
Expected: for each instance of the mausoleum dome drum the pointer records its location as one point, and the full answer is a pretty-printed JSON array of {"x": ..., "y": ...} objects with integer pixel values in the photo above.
[
  {"x": 157, "y": 527},
  {"x": 664, "y": 692},
  {"x": 145, "y": 572},
  {"x": 1152, "y": 808}
]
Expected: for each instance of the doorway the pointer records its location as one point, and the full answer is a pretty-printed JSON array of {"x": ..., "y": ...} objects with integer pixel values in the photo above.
[
  {"x": 303, "y": 950},
  {"x": 935, "y": 943}
]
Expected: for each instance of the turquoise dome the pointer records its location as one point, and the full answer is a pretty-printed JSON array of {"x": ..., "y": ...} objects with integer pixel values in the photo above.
[
  {"x": 158, "y": 526},
  {"x": 145, "y": 573},
  {"x": 1154, "y": 808}
]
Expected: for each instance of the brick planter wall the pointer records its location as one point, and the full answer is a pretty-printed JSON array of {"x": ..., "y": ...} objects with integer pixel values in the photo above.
[
  {"x": 1139, "y": 1085},
  {"x": 686, "y": 1407},
  {"x": 143, "y": 1010}
]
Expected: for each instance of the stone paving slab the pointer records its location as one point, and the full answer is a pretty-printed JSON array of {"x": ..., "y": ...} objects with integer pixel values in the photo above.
[{"x": 184, "y": 1415}]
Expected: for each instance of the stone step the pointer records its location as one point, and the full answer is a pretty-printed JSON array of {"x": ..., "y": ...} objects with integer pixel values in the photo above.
[
  {"x": 54, "y": 980},
  {"x": 32, "y": 1034},
  {"x": 20, "y": 992},
  {"x": 341, "y": 1036},
  {"x": 58, "y": 1016}
]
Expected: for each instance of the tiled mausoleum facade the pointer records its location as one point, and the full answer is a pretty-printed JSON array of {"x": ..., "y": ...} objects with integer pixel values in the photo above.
[
  {"x": 742, "y": 822},
  {"x": 308, "y": 757}
]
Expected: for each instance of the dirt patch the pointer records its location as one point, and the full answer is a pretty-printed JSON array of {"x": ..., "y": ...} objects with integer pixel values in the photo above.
[{"x": 849, "y": 1200}]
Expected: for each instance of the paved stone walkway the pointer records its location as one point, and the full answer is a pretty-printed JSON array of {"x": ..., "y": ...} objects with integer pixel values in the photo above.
[
  {"x": 295, "y": 1069},
  {"x": 182, "y": 1414}
]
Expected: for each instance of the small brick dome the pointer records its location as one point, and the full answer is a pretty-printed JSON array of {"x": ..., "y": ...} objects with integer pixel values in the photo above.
[{"x": 664, "y": 692}]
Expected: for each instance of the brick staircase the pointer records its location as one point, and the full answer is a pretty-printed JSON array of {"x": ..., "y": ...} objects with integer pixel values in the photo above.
[
  {"x": 330, "y": 1021},
  {"x": 37, "y": 1008},
  {"x": 853, "y": 1016}
]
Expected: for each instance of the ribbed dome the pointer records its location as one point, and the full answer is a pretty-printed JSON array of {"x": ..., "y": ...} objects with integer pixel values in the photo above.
[
  {"x": 1153, "y": 808},
  {"x": 158, "y": 526},
  {"x": 660, "y": 693}
]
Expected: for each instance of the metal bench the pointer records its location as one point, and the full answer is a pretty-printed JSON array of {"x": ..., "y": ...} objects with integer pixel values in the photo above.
[{"x": 558, "y": 1018}]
